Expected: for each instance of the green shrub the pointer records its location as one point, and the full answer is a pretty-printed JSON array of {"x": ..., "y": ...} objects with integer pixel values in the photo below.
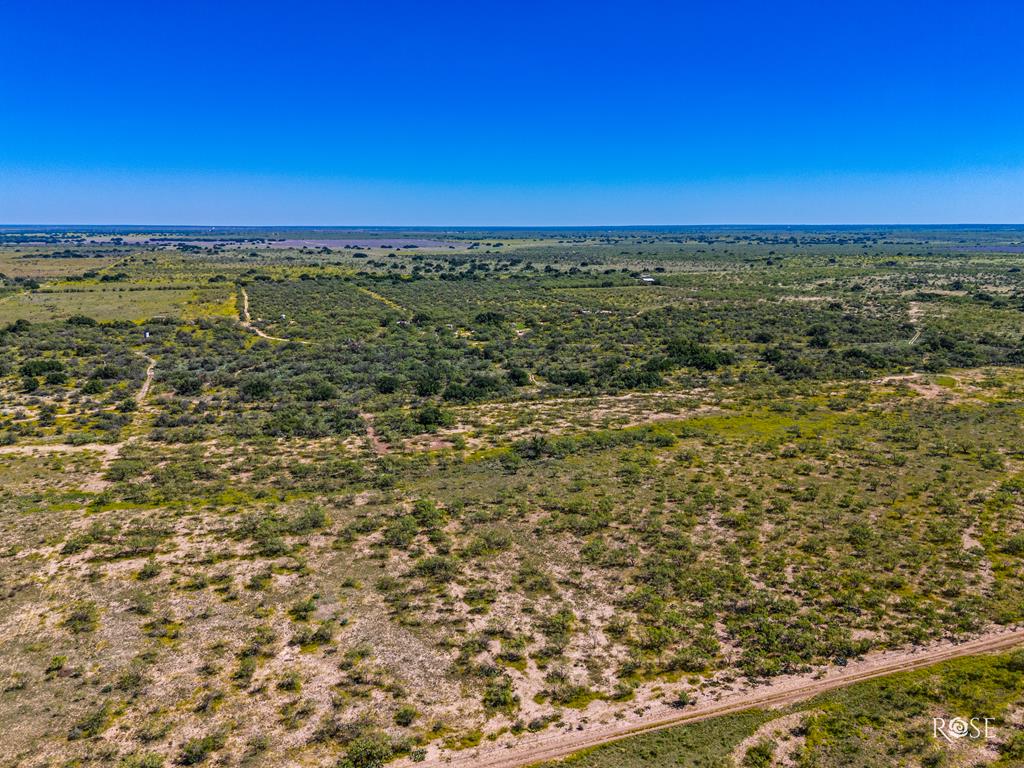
[
  {"x": 1014, "y": 545},
  {"x": 437, "y": 568},
  {"x": 499, "y": 695},
  {"x": 370, "y": 750},
  {"x": 141, "y": 760},
  {"x": 197, "y": 750},
  {"x": 405, "y": 715},
  {"x": 93, "y": 722},
  {"x": 82, "y": 616},
  {"x": 759, "y": 755}
]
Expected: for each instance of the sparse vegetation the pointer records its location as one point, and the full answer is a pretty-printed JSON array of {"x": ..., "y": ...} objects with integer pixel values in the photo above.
[{"x": 518, "y": 483}]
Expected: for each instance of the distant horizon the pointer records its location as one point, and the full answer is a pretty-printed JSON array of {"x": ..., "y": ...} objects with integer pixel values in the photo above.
[{"x": 513, "y": 227}]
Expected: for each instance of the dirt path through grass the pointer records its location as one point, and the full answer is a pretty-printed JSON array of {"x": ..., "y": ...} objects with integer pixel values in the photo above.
[
  {"x": 107, "y": 451},
  {"x": 391, "y": 304},
  {"x": 247, "y": 323},
  {"x": 915, "y": 313},
  {"x": 377, "y": 445},
  {"x": 143, "y": 392},
  {"x": 781, "y": 692}
]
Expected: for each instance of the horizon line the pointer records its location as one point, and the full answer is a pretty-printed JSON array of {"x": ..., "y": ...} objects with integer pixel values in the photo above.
[{"x": 52, "y": 225}]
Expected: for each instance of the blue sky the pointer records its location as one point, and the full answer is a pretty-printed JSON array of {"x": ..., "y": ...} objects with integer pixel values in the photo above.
[{"x": 511, "y": 113}]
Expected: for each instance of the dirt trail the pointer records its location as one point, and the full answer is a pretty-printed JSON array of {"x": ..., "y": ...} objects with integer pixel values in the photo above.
[
  {"x": 915, "y": 312},
  {"x": 378, "y": 446},
  {"x": 107, "y": 451},
  {"x": 143, "y": 392},
  {"x": 780, "y": 693},
  {"x": 384, "y": 300},
  {"x": 774, "y": 731},
  {"x": 247, "y": 323},
  {"x": 140, "y": 396}
]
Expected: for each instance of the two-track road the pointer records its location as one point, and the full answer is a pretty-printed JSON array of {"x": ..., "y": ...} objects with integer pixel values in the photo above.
[
  {"x": 247, "y": 322},
  {"x": 530, "y": 750}
]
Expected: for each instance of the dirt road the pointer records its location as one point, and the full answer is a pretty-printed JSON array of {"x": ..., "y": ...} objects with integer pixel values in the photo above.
[
  {"x": 915, "y": 312},
  {"x": 143, "y": 392},
  {"x": 384, "y": 300},
  {"x": 247, "y": 322},
  {"x": 108, "y": 451},
  {"x": 377, "y": 445},
  {"x": 554, "y": 745}
]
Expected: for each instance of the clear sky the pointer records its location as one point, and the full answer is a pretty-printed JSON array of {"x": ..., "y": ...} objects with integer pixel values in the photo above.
[{"x": 545, "y": 113}]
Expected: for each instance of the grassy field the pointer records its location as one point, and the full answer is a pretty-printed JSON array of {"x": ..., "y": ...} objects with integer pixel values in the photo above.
[{"x": 135, "y": 303}]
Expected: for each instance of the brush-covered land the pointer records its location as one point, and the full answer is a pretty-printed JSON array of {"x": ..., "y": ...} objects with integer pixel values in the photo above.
[{"x": 343, "y": 498}]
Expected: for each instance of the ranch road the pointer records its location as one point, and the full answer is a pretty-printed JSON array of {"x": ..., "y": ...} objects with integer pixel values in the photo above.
[
  {"x": 107, "y": 451},
  {"x": 553, "y": 746},
  {"x": 247, "y": 322},
  {"x": 143, "y": 392}
]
